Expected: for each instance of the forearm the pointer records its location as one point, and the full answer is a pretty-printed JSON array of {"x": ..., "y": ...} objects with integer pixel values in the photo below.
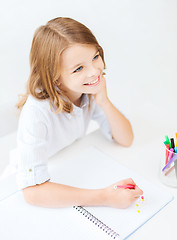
[
  {"x": 120, "y": 126},
  {"x": 56, "y": 195}
]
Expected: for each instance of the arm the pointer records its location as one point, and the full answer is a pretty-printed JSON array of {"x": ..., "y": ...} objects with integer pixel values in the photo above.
[
  {"x": 56, "y": 195},
  {"x": 120, "y": 126}
]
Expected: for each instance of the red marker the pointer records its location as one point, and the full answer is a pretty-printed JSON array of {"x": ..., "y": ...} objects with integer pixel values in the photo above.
[
  {"x": 167, "y": 153},
  {"x": 129, "y": 186}
]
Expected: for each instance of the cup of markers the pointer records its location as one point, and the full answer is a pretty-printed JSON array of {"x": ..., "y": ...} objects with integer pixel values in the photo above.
[{"x": 168, "y": 163}]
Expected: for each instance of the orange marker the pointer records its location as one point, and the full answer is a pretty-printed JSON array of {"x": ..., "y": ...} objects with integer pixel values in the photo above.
[{"x": 169, "y": 170}]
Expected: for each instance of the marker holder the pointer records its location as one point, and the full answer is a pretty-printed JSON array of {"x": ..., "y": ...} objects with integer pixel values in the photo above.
[{"x": 169, "y": 175}]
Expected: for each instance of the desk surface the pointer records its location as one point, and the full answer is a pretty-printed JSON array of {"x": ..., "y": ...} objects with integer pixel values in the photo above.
[{"x": 143, "y": 157}]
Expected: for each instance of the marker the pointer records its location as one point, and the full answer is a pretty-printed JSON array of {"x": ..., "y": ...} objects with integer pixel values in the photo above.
[
  {"x": 175, "y": 143},
  {"x": 172, "y": 142},
  {"x": 169, "y": 170},
  {"x": 175, "y": 149},
  {"x": 170, "y": 154},
  {"x": 171, "y": 160},
  {"x": 167, "y": 153},
  {"x": 167, "y": 140},
  {"x": 129, "y": 186}
]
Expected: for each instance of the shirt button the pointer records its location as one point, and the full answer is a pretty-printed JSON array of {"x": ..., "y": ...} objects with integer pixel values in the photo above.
[{"x": 30, "y": 170}]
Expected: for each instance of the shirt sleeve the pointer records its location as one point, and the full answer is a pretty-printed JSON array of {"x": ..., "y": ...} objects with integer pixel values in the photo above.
[
  {"x": 32, "y": 148},
  {"x": 99, "y": 116}
]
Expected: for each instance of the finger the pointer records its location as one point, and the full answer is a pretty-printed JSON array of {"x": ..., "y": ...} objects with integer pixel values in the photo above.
[
  {"x": 129, "y": 181},
  {"x": 137, "y": 192},
  {"x": 136, "y": 197}
]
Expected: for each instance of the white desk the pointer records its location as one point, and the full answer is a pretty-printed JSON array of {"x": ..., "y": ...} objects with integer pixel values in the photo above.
[{"x": 143, "y": 157}]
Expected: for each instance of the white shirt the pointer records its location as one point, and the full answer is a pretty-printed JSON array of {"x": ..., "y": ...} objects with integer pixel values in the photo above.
[{"x": 42, "y": 133}]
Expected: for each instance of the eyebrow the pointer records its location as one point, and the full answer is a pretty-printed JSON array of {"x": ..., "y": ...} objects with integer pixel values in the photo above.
[{"x": 77, "y": 65}]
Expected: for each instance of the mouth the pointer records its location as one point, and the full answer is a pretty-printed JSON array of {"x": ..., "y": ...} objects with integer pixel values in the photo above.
[{"x": 93, "y": 83}]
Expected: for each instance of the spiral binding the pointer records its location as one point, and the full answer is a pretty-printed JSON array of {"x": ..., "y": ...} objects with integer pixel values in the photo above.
[{"x": 97, "y": 222}]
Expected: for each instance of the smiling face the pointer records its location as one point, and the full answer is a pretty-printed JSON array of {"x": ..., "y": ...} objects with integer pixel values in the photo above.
[{"x": 81, "y": 71}]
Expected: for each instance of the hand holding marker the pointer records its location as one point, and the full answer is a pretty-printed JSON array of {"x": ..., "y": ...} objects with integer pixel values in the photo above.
[{"x": 130, "y": 186}]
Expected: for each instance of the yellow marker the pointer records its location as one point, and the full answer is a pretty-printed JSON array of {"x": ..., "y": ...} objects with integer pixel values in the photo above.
[
  {"x": 176, "y": 143},
  {"x": 138, "y": 211},
  {"x": 143, "y": 200},
  {"x": 137, "y": 205}
]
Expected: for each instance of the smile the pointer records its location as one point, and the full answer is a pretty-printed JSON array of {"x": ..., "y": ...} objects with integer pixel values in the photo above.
[{"x": 93, "y": 83}]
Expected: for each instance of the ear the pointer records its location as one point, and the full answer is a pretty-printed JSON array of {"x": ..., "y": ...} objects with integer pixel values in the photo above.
[{"x": 57, "y": 82}]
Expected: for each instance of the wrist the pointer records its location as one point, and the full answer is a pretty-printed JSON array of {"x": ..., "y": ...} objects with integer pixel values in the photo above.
[
  {"x": 104, "y": 197},
  {"x": 104, "y": 102},
  {"x": 100, "y": 197},
  {"x": 92, "y": 197}
]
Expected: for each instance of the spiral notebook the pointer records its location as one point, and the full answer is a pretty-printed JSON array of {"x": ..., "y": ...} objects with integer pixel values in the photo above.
[
  {"x": 93, "y": 169},
  {"x": 90, "y": 169}
]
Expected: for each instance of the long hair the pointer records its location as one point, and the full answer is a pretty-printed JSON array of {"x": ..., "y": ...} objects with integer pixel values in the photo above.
[{"x": 48, "y": 43}]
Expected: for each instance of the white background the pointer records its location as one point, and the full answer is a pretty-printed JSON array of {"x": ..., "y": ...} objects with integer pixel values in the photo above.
[{"x": 140, "y": 42}]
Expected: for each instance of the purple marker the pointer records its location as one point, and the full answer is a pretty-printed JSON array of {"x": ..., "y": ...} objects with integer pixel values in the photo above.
[{"x": 171, "y": 160}]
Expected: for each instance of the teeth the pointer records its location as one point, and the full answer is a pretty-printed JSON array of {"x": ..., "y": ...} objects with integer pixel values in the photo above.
[{"x": 93, "y": 82}]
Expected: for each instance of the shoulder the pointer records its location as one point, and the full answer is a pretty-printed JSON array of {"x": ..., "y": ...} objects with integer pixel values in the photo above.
[
  {"x": 35, "y": 111},
  {"x": 37, "y": 106},
  {"x": 42, "y": 105}
]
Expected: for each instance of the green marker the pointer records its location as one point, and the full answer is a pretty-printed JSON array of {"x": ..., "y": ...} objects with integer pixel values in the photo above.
[{"x": 167, "y": 140}]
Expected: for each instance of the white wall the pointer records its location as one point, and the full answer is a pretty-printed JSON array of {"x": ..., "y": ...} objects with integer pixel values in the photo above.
[{"x": 139, "y": 39}]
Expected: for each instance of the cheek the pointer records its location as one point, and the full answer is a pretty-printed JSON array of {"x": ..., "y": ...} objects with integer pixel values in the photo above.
[
  {"x": 76, "y": 80},
  {"x": 101, "y": 64},
  {"x": 79, "y": 77}
]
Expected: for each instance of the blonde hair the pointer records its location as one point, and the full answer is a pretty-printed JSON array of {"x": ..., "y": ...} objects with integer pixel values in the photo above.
[{"x": 48, "y": 43}]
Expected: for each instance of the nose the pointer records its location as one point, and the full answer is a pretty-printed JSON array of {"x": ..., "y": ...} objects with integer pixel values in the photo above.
[{"x": 92, "y": 71}]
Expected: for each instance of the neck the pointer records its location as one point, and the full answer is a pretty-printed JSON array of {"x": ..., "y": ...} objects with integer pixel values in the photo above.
[
  {"x": 74, "y": 97},
  {"x": 76, "y": 100}
]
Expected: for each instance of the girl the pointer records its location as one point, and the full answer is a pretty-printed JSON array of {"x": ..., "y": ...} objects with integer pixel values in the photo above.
[{"x": 66, "y": 89}]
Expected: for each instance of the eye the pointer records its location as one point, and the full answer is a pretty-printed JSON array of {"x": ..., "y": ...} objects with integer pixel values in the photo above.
[
  {"x": 96, "y": 57},
  {"x": 78, "y": 69}
]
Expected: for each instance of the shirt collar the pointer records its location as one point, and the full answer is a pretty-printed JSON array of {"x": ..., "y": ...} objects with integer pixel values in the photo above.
[
  {"x": 76, "y": 110},
  {"x": 84, "y": 101}
]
